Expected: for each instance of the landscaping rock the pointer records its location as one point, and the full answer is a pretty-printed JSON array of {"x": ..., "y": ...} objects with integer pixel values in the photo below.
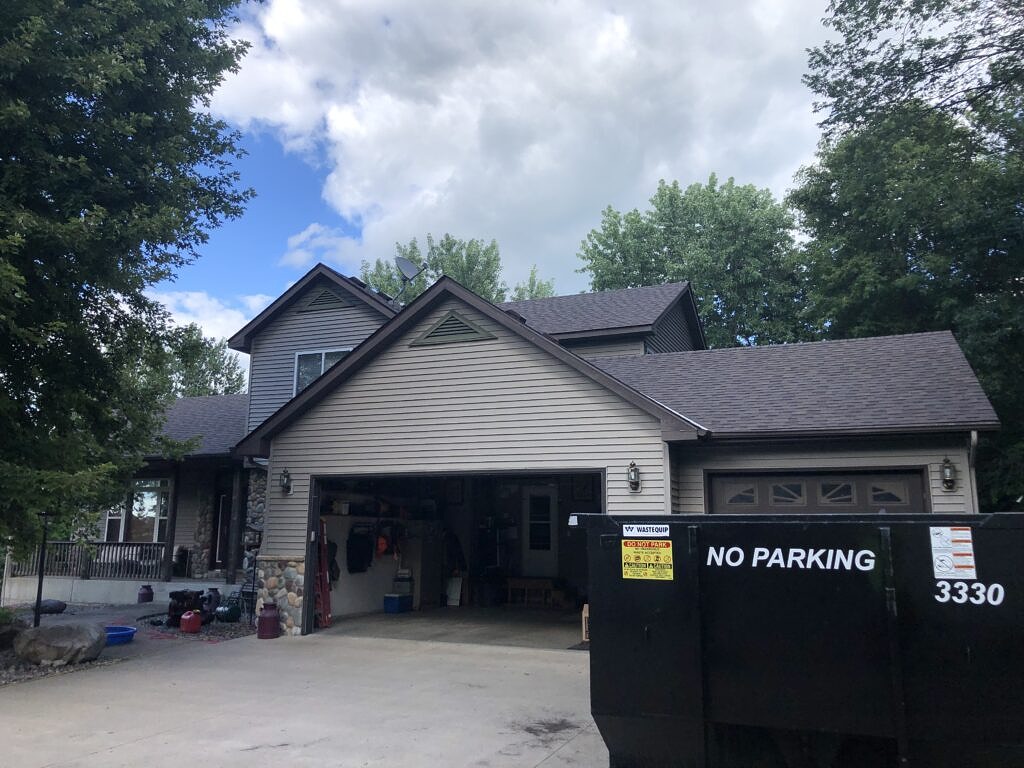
[
  {"x": 9, "y": 631},
  {"x": 60, "y": 644},
  {"x": 52, "y": 606}
]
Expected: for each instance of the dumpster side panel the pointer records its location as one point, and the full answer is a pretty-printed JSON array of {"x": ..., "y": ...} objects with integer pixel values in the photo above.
[
  {"x": 962, "y": 639},
  {"x": 795, "y": 642},
  {"x": 791, "y": 646},
  {"x": 646, "y": 688}
]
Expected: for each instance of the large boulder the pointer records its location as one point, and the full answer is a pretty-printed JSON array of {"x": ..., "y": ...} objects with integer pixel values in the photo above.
[
  {"x": 52, "y": 606},
  {"x": 60, "y": 644}
]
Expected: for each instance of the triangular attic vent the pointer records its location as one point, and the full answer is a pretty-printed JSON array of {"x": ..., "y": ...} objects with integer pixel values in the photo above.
[
  {"x": 324, "y": 299},
  {"x": 451, "y": 328}
]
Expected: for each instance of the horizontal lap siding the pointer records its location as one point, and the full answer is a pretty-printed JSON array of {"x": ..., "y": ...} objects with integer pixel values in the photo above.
[
  {"x": 596, "y": 350},
  {"x": 689, "y": 465},
  {"x": 272, "y": 363},
  {"x": 195, "y": 493},
  {"x": 482, "y": 406},
  {"x": 672, "y": 333}
]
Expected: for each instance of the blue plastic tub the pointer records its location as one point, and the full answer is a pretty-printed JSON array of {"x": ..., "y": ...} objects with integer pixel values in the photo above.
[
  {"x": 120, "y": 635},
  {"x": 394, "y": 603}
]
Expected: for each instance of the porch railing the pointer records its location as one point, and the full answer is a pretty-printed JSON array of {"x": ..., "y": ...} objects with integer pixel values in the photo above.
[{"x": 101, "y": 560}]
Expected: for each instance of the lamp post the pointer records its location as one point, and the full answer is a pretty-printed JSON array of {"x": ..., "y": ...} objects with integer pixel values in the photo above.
[{"x": 42, "y": 569}]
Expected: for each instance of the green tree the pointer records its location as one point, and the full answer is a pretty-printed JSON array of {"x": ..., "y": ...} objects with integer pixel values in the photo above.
[
  {"x": 960, "y": 56},
  {"x": 533, "y": 288},
  {"x": 199, "y": 365},
  {"x": 916, "y": 223},
  {"x": 111, "y": 173},
  {"x": 733, "y": 243},
  {"x": 474, "y": 263},
  {"x": 915, "y": 204}
]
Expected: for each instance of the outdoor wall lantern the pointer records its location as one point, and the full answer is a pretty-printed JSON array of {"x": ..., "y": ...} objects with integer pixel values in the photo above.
[
  {"x": 948, "y": 475},
  {"x": 633, "y": 476},
  {"x": 286, "y": 481}
]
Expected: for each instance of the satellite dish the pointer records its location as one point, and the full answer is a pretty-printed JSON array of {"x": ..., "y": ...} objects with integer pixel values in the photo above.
[{"x": 409, "y": 270}]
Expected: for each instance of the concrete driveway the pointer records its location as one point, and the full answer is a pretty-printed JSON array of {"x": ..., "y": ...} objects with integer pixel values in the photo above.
[{"x": 324, "y": 700}]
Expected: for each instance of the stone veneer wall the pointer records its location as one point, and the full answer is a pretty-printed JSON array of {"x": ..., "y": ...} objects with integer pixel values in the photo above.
[
  {"x": 282, "y": 581},
  {"x": 255, "y": 512},
  {"x": 200, "y": 550}
]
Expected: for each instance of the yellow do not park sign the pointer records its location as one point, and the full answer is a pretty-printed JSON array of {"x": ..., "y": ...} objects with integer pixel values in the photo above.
[{"x": 647, "y": 559}]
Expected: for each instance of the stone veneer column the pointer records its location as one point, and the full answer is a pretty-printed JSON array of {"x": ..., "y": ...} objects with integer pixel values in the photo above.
[{"x": 283, "y": 582}]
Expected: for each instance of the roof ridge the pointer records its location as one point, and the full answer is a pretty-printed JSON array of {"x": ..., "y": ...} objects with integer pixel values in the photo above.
[
  {"x": 605, "y": 291},
  {"x": 785, "y": 345}
]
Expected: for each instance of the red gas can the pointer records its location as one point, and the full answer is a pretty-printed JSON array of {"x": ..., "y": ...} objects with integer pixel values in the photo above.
[
  {"x": 268, "y": 625},
  {"x": 191, "y": 622}
]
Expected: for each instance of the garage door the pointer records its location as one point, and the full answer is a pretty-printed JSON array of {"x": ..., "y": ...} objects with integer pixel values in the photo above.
[{"x": 835, "y": 493}]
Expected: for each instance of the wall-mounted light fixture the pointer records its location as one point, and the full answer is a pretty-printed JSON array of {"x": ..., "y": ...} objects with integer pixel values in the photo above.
[
  {"x": 948, "y": 475},
  {"x": 285, "y": 481},
  {"x": 633, "y": 476}
]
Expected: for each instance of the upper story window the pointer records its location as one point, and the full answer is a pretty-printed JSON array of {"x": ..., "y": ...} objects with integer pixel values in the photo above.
[{"x": 309, "y": 366}]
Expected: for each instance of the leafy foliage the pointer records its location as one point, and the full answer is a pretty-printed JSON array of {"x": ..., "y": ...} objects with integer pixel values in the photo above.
[
  {"x": 111, "y": 173},
  {"x": 917, "y": 225},
  {"x": 202, "y": 366},
  {"x": 533, "y": 288},
  {"x": 473, "y": 263},
  {"x": 959, "y": 56},
  {"x": 733, "y": 243},
  {"x": 915, "y": 206}
]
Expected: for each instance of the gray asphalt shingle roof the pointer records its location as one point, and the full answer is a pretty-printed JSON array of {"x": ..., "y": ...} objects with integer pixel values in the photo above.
[
  {"x": 218, "y": 420},
  {"x": 622, "y": 308},
  {"x": 884, "y": 384}
]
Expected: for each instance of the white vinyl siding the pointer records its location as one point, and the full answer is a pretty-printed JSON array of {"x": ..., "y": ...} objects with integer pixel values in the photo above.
[
  {"x": 493, "y": 405},
  {"x": 593, "y": 350},
  {"x": 272, "y": 356},
  {"x": 690, "y": 464}
]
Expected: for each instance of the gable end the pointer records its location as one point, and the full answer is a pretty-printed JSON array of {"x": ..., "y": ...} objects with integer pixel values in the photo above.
[
  {"x": 450, "y": 329},
  {"x": 323, "y": 299}
]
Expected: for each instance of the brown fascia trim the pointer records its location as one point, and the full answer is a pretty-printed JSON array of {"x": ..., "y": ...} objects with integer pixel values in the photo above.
[
  {"x": 861, "y": 432},
  {"x": 603, "y": 333},
  {"x": 257, "y": 443},
  {"x": 695, "y": 315},
  {"x": 241, "y": 341}
]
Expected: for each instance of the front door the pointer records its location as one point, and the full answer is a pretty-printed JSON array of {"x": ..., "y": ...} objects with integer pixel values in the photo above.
[{"x": 540, "y": 531}]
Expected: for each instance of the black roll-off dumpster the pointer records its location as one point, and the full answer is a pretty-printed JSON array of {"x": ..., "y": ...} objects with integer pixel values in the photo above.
[{"x": 820, "y": 642}]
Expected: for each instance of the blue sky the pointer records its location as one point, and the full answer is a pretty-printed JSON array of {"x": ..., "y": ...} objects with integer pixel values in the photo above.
[{"x": 514, "y": 121}]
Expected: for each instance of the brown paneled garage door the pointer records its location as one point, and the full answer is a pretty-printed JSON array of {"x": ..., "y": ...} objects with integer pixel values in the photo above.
[{"x": 776, "y": 493}]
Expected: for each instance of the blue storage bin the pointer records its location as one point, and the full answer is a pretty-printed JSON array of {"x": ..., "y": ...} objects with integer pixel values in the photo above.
[{"x": 397, "y": 603}]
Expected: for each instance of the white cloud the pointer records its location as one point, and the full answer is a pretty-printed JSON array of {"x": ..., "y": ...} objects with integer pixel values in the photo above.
[
  {"x": 315, "y": 243},
  {"x": 521, "y": 121},
  {"x": 218, "y": 319}
]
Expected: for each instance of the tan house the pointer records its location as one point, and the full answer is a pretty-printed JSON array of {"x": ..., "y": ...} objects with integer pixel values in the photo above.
[{"x": 401, "y": 447}]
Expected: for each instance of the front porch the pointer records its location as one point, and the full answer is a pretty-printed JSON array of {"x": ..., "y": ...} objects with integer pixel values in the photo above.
[{"x": 111, "y": 573}]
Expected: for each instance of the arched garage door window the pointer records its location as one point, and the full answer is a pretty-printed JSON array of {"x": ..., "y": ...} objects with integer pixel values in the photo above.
[{"x": 775, "y": 493}]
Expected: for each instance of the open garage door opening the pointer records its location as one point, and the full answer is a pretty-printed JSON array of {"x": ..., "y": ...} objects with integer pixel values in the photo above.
[{"x": 489, "y": 545}]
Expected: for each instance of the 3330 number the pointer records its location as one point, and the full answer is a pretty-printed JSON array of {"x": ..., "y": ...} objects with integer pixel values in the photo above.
[{"x": 969, "y": 592}]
